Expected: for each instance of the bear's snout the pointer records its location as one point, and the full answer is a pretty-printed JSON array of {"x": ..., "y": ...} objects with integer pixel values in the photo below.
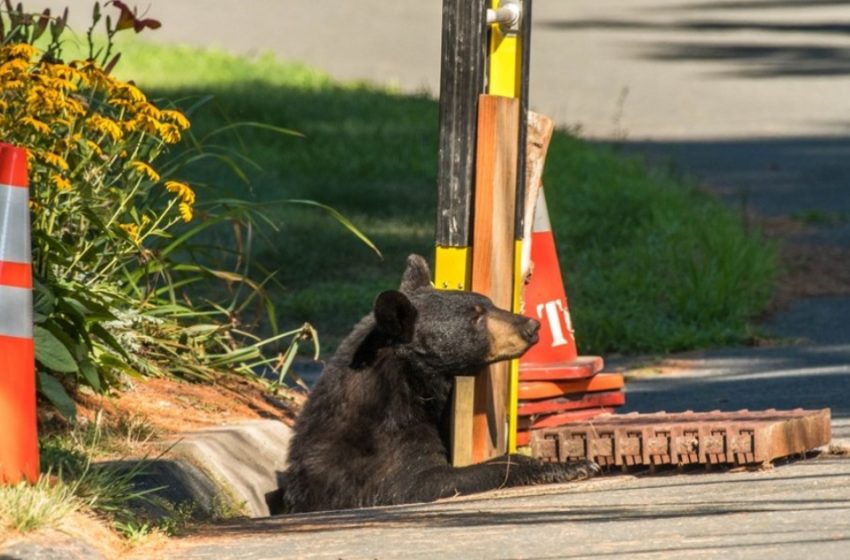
[
  {"x": 510, "y": 335},
  {"x": 530, "y": 331}
]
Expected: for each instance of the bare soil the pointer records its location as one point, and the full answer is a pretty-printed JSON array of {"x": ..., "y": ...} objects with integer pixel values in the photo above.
[
  {"x": 807, "y": 269},
  {"x": 172, "y": 405}
]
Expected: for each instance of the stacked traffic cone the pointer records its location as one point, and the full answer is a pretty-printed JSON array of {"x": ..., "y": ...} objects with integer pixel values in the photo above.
[
  {"x": 557, "y": 385},
  {"x": 18, "y": 438}
]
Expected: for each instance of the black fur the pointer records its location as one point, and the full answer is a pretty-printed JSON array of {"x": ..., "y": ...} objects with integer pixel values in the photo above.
[{"x": 374, "y": 430}]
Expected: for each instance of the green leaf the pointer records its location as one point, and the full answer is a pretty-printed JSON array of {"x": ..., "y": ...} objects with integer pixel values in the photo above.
[
  {"x": 55, "y": 392},
  {"x": 252, "y": 124},
  {"x": 99, "y": 331},
  {"x": 43, "y": 300},
  {"x": 51, "y": 353},
  {"x": 91, "y": 375},
  {"x": 342, "y": 220}
]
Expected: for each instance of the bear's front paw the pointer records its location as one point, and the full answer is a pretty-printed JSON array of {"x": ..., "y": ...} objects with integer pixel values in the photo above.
[{"x": 574, "y": 470}]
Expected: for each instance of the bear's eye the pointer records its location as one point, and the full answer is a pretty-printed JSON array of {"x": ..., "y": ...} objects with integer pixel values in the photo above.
[{"x": 478, "y": 312}]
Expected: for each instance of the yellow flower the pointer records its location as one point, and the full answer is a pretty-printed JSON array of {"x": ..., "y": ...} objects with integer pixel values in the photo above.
[
  {"x": 132, "y": 230},
  {"x": 182, "y": 190},
  {"x": 148, "y": 110},
  {"x": 169, "y": 133},
  {"x": 36, "y": 124},
  {"x": 106, "y": 126},
  {"x": 131, "y": 91},
  {"x": 20, "y": 50},
  {"x": 61, "y": 182},
  {"x": 145, "y": 169},
  {"x": 94, "y": 147},
  {"x": 53, "y": 159},
  {"x": 122, "y": 103},
  {"x": 176, "y": 117},
  {"x": 185, "y": 212},
  {"x": 63, "y": 72},
  {"x": 14, "y": 66}
]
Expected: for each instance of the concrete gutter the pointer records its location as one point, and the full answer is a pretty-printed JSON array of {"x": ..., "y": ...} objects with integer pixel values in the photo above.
[{"x": 227, "y": 471}]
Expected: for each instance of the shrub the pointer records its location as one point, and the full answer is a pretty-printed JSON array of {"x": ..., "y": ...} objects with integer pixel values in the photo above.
[{"x": 109, "y": 221}]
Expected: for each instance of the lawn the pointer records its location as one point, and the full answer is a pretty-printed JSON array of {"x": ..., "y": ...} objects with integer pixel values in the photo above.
[{"x": 652, "y": 264}]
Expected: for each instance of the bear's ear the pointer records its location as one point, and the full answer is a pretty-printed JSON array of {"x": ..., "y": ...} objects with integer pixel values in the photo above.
[
  {"x": 395, "y": 315},
  {"x": 416, "y": 276}
]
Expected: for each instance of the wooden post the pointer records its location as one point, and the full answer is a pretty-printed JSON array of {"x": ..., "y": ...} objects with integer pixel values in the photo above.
[
  {"x": 493, "y": 256},
  {"x": 462, "y": 80}
]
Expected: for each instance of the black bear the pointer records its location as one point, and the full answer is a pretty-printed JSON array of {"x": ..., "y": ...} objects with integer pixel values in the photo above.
[{"x": 374, "y": 430}]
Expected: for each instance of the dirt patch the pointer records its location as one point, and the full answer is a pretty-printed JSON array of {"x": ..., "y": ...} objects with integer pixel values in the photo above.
[
  {"x": 807, "y": 269},
  {"x": 173, "y": 405}
]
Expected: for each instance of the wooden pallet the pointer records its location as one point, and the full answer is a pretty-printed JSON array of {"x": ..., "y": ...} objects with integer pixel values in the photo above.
[{"x": 732, "y": 438}]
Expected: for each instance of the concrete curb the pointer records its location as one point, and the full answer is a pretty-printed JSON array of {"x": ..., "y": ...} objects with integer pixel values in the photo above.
[
  {"x": 234, "y": 468},
  {"x": 231, "y": 470}
]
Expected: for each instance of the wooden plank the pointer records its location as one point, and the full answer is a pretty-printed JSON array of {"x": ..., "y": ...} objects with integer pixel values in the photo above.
[
  {"x": 462, "y": 79},
  {"x": 540, "y": 130},
  {"x": 462, "y": 406},
  {"x": 492, "y": 256}
]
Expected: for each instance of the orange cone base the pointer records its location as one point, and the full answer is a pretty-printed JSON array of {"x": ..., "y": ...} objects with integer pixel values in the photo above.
[
  {"x": 580, "y": 368},
  {"x": 523, "y": 436},
  {"x": 572, "y": 402},
  {"x": 18, "y": 438},
  {"x": 531, "y": 390}
]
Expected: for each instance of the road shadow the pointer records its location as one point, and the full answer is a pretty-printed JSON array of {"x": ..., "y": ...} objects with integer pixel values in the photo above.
[
  {"x": 778, "y": 49},
  {"x": 805, "y": 177}
]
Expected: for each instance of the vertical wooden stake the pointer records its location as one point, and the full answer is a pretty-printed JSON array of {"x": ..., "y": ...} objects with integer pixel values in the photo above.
[
  {"x": 493, "y": 256},
  {"x": 462, "y": 408},
  {"x": 540, "y": 129}
]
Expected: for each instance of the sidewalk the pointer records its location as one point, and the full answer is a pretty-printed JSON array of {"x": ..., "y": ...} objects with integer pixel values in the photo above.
[{"x": 800, "y": 510}]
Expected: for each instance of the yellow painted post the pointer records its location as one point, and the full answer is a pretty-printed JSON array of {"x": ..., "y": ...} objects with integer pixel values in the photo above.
[{"x": 451, "y": 268}]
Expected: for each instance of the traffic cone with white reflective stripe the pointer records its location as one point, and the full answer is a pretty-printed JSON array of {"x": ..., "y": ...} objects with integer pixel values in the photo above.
[
  {"x": 18, "y": 436},
  {"x": 557, "y": 386},
  {"x": 555, "y": 356}
]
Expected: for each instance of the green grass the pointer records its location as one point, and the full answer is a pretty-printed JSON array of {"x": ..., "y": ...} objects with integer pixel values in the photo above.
[
  {"x": 651, "y": 264},
  {"x": 28, "y": 507}
]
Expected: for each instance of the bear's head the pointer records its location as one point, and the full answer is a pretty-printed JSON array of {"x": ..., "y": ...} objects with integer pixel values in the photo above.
[{"x": 448, "y": 332}]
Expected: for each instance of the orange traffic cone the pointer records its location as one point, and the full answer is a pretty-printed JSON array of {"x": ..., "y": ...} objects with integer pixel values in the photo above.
[
  {"x": 18, "y": 437},
  {"x": 555, "y": 356}
]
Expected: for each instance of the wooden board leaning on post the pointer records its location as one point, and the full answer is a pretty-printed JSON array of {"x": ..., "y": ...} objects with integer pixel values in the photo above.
[
  {"x": 492, "y": 272},
  {"x": 540, "y": 130}
]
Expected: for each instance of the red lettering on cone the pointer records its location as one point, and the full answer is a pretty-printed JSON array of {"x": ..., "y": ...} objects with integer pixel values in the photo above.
[
  {"x": 555, "y": 315},
  {"x": 545, "y": 297}
]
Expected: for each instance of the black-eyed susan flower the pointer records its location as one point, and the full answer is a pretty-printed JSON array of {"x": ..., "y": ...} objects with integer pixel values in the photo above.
[
  {"x": 54, "y": 160},
  {"x": 176, "y": 117},
  {"x": 185, "y": 211},
  {"x": 35, "y": 124},
  {"x": 169, "y": 133},
  {"x": 183, "y": 191},
  {"x": 60, "y": 182},
  {"x": 145, "y": 169}
]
